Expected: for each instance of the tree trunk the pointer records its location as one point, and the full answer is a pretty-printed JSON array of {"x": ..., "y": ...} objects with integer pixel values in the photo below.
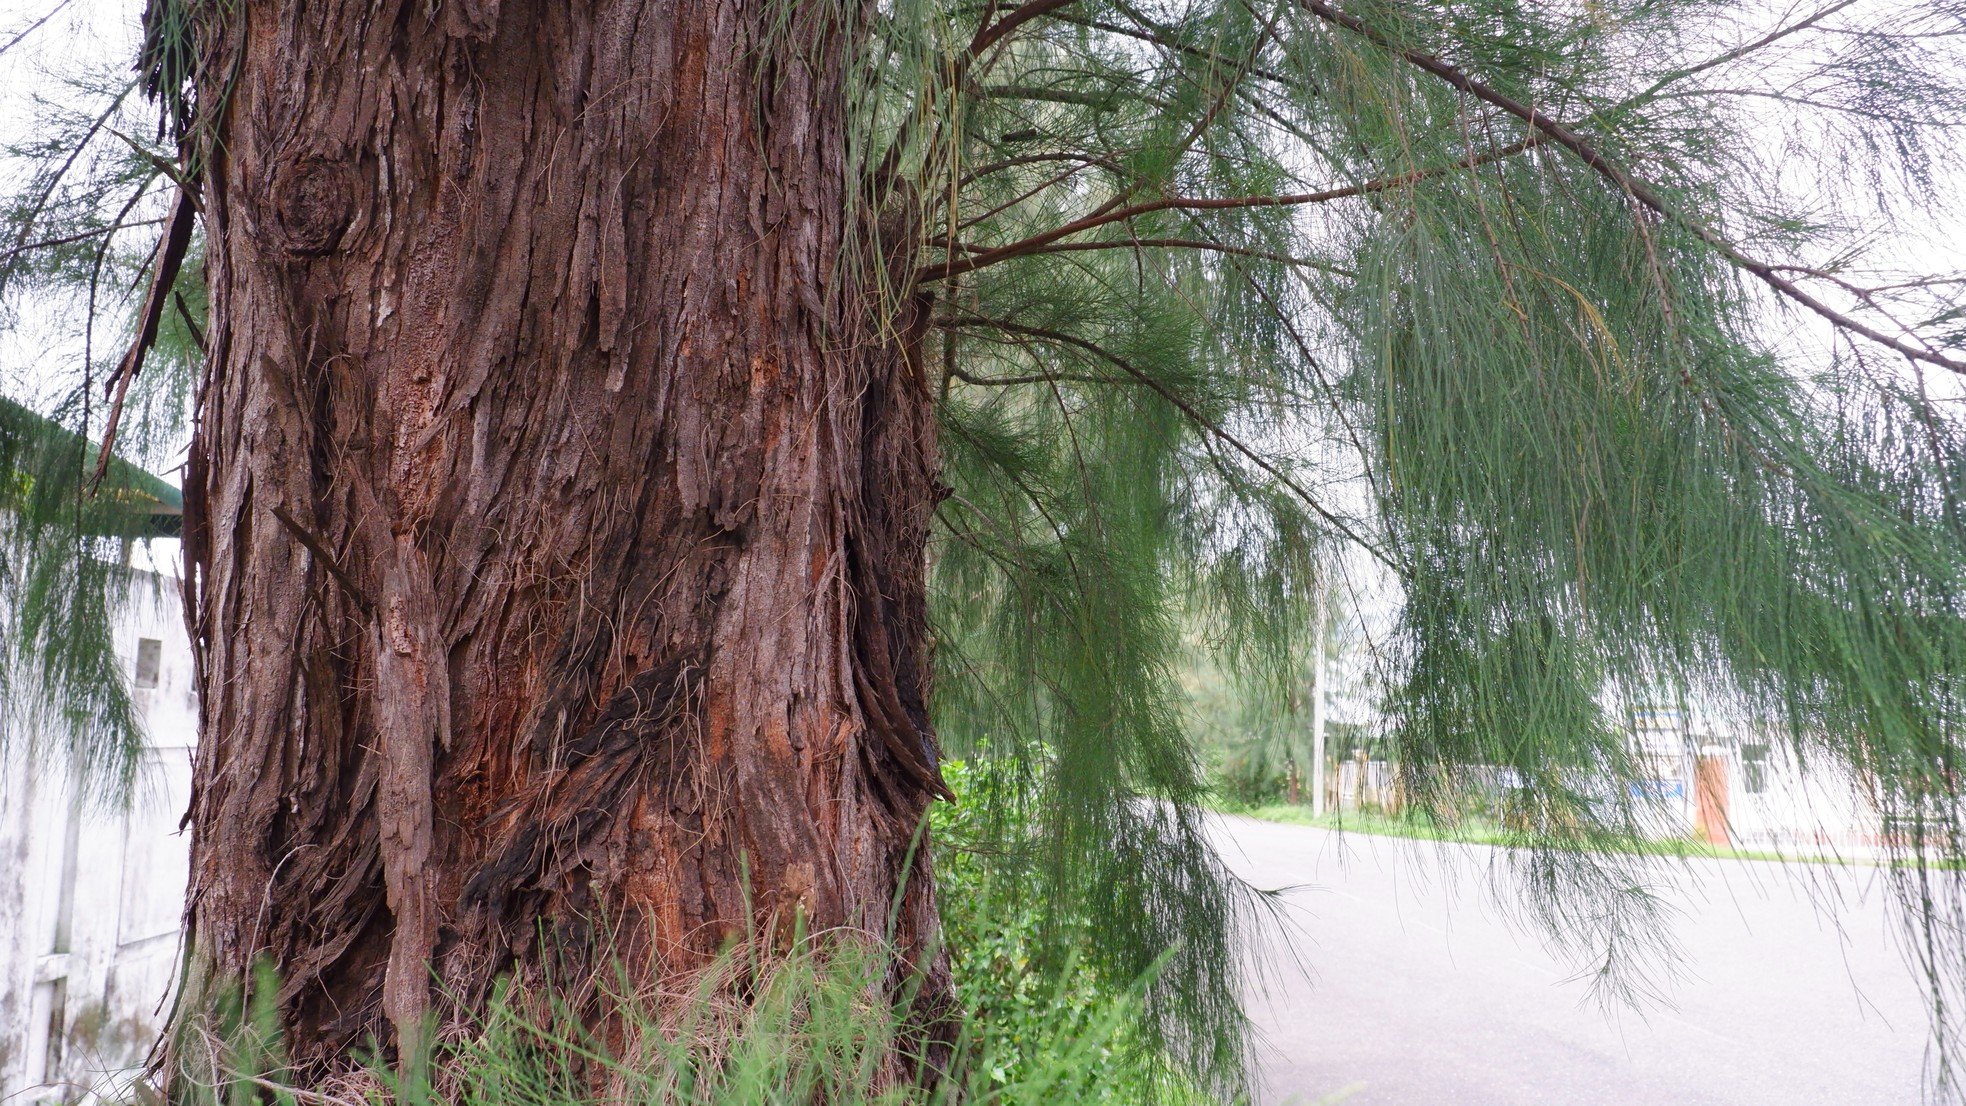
[{"x": 556, "y": 514}]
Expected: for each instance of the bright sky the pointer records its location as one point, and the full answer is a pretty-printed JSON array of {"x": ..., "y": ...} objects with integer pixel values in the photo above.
[{"x": 77, "y": 35}]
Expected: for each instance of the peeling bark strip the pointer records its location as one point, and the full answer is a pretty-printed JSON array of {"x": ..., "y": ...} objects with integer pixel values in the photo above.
[{"x": 556, "y": 524}]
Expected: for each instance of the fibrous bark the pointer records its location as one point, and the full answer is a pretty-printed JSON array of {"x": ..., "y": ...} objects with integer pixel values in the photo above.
[{"x": 556, "y": 514}]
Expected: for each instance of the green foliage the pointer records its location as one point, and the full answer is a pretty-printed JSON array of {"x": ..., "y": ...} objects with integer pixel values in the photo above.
[
  {"x": 1030, "y": 995},
  {"x": 77, "y": 218},
  {"x": 1248, "y": 743},
  {"x": 807, "y": 1029},
  {"x": 61, "y": 580},
  {"x": 1225, "y": 287}
]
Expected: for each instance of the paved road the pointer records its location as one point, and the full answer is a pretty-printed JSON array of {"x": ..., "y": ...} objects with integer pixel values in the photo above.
[{"x": 1422, "y": 995}]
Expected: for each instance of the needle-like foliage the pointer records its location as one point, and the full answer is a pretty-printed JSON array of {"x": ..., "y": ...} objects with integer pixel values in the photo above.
[
  {"x": 77, "y": 224},
  {"x": 1495, "y": 295},
  {"x": 1599, "y": 327}
]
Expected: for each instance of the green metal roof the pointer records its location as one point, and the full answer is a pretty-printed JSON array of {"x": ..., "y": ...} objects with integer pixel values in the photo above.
[{"x": 148, "y": 494}]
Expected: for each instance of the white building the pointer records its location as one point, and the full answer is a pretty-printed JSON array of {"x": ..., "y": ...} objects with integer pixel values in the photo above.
[
  {"x": 1731, "y": 786},
  {"x": 91, "y": 899},
  {"x": 1700, "y": 778}
]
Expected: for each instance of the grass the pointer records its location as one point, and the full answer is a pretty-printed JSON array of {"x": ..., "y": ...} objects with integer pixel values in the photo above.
[
  {"x": 821, "y": 1023},
  {"x": 1483, "y": 831},
  {"x": 825, "y": 1021}
]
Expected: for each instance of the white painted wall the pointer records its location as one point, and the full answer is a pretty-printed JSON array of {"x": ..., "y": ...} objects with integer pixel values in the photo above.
[
  {"x": 1817, "y": 809},
  {"x": 1803, "y": 811},
  {"x": 91, "y": 899}
]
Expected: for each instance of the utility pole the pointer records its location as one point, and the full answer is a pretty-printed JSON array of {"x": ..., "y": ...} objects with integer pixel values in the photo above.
[{"x": 1317, "y": 701}]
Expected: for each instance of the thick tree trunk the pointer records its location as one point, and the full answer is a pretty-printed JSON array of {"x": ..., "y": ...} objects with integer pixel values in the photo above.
[{"x": 557, "y": 505}]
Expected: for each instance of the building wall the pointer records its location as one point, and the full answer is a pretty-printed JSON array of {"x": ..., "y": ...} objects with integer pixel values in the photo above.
[
  {"x": 91, "y": 898},
  {"x": 1768, "y": 800},
  {"x": 1776, "y": 803}
]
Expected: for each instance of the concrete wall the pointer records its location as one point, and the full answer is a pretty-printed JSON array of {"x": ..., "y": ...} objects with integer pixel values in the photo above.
[{"x": 91, "y": 898}]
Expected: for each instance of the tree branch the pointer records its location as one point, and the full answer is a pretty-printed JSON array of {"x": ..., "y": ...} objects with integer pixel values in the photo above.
[
  {"x": 1185, "y": 244},
  {"x": 954, "y": 266},
  {"x": 1741, "y": 51},
  {"x": 1158, "y": 36},
  {"x": 1033, "y": 159},
  {"x": 322, "y": 553},
  {"x": 1031, "y": 378},
  {"x": 992, "y": 33},
  {"x": 34, "y": 26},
  {"x": 52, "y": 182},
  {"x": 169, "y": 257},
  {"x": 1629, "y": 182},
  {"x": 70, "y": 239},
  {"x": 987, "y": 35}
]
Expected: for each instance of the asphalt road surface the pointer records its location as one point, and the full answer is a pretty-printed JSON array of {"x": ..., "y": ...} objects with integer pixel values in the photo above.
[{"x": 1421, "y": 993}]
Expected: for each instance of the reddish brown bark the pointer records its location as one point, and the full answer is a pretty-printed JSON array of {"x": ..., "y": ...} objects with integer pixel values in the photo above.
[{"x": 557, "y": 507}]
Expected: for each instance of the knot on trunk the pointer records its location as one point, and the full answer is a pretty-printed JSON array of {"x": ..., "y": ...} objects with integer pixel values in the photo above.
[{"x": 313, "y": 202}]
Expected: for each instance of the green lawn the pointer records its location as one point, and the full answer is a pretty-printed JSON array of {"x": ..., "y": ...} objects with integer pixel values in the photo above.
[{"x": 1481, "y": 831}]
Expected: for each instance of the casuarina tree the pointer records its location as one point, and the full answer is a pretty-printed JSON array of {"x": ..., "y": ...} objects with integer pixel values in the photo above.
[{"x": 632, "y": 442}]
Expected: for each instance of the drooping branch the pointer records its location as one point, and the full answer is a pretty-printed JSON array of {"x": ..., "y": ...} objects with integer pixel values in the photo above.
[
  {"x": 1330, "y": 398},
  {"x": 989, "y": 32},
  {"x": 1099, "y": 101},
  {"x": 951, "y": 325},
  {"x": 1629, "y": 182},
  {"x": 1121, "y": 197},
  {"x": 980, "y": 172},
  {"x": 33, "y": 27},
  {"x": 52, "y": 182},
  {"x": 1049, "y": 182},
  {"x": 1028, "y": 378},
  {"x": 1155, "y": 35},
  {"x": 1737, "y": 53},
  {"x": 1855, "y": 111},
  {"x": 1188, "y": 411}
]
